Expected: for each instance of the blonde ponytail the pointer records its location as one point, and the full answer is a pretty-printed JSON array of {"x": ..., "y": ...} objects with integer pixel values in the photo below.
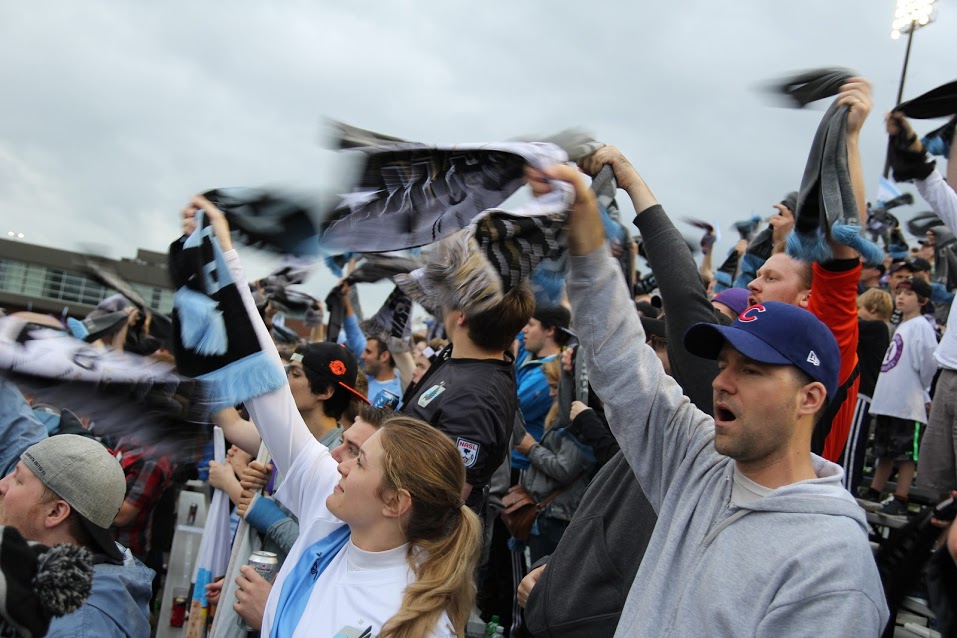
[{"x": 445, "y": 536}]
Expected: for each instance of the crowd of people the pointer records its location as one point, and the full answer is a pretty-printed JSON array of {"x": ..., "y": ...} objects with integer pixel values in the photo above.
[{"x": 713, "y": 452}]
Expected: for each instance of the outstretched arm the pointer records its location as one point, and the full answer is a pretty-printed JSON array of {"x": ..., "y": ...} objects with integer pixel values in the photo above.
[
  {"x": 941, "y": 196},
  {"x": 238, "y": 431},
  {"x": 655, "y": 425},
  {"x": 274, "y": 414},
  {"x": 683, "y": 295},
  {"x": 355, "y": 340}
]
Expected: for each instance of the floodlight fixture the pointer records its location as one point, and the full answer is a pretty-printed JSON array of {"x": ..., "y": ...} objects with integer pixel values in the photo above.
[{"x": 910, "y": 15}]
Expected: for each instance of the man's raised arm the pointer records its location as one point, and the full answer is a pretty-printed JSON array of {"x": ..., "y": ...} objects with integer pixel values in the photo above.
[
  {"x": 682, "y": 294},
  {"x": 653, "y": 422}
]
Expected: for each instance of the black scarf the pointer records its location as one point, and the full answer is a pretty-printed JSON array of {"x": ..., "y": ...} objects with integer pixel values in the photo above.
[
  {"x": 411, "y": 194},
  {"x": 213, "y": 338},
  {"x": 385, "y": 266},
  {"x": 116, "y": 393},
  {"x": 826, "y": 206},
  {"x": 392, "y": 324},
  {"x": 939, "y": 102},
  {"x": 267, "y": 219}
]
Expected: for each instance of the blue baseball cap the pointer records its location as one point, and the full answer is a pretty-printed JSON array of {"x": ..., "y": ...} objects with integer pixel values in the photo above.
[
  {"x": 734, "y": 298},
  {"x": 778, "y": 334}
]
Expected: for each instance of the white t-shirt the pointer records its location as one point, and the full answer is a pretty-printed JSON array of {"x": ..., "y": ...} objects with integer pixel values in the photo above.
[
  {"x": 357, "y": 588},
  {"x": 906, "y": 372},
  {"x": 744, "y": 491}
]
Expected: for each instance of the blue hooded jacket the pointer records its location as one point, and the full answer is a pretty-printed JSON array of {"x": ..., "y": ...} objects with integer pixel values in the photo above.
[
  {"x": 534, "y": 396},
  {"x": 119, "y": 605}
]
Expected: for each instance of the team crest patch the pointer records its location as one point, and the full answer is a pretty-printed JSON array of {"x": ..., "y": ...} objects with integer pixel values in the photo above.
[
  {"x": 430, "y": 394},
  {"x": 468, "y": 450}
]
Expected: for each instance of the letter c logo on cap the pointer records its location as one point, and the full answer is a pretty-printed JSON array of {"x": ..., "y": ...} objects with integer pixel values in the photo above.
[{"x": 751, "y": 314}]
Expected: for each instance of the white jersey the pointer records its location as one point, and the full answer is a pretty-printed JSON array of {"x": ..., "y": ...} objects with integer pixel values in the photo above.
[{"x": 906, "y": 372}]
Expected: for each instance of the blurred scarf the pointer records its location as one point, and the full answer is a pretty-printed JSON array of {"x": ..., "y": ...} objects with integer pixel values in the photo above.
[
  {"x": 268, "y": 219},
  {"x": 122, "y": 394},
  {"x": 392, "y": 324},
  {"x": 475, "y": 268},
  {"x": 826, "y": 206},
  {"x": 411, "y": 194}
]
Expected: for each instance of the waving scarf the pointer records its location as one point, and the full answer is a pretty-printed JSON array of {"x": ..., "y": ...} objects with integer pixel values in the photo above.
[
  {"x": 213, "y": 338},
  {"x": 826, "y": 206},
  {"x": 268, "y": 219},
  {"x": 392, "y": 324},
  {"x": 411, "y": 194},
  {"x": 116, "y": 392},
  {"x": 476, "y": 267}
]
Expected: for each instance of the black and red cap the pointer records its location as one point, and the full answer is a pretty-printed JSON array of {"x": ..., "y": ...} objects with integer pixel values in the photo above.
[{"x": 330, "y": 362}]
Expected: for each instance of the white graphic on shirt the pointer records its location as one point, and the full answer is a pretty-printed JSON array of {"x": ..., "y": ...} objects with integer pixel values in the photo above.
[
  {"x": 893, "y": 354},
  {"x": 430, "y": 394},
  {"x": 469, "y": 451}
]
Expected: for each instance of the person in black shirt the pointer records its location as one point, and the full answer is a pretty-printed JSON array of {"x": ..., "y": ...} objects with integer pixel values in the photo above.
[{"x": 469, "y": 392}]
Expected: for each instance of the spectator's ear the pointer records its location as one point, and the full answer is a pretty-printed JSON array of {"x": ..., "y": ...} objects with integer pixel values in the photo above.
[
  {"x": 55, "y": 512},
  {"x": 326, "y": 394}
]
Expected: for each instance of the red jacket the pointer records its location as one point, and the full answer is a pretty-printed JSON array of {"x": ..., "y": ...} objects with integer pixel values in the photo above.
[{"x": 834, "y": 302}]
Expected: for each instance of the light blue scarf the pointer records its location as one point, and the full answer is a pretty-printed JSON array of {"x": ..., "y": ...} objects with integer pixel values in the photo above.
[{"x": 297, "y": 587}]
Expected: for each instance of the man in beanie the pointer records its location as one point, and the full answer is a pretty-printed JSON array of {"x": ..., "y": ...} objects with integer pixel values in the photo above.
[
  {"x": 68, "y": 489},
  {"x": 745, "y": 511}
]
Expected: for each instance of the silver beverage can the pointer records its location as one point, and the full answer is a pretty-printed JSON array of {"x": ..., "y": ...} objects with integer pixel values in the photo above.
[{"x": 266, "y": 564}]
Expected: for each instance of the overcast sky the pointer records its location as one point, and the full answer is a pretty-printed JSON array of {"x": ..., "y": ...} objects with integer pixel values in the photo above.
[{"x": 114, "y": 113}]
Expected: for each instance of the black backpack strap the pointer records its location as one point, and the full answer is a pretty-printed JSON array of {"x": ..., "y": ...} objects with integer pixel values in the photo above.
[{"x": 823, "y": 427}]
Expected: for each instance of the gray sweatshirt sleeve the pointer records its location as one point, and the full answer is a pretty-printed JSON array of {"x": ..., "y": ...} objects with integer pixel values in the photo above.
[
  {"x": 841, "y": 613},
  {"x": 284, "y": 533},
  {"x": 655, "y": 424}
]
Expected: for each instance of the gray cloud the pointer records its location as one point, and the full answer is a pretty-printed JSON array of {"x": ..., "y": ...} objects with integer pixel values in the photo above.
[{"x": 114, "y": 113}]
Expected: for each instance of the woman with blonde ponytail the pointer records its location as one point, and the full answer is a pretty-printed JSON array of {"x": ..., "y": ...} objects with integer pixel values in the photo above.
[
  {"x": 386, "y": 547},
  {"x": 444, "y": 536}
]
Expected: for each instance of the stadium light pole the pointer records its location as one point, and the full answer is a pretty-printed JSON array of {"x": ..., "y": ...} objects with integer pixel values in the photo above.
[{"x": 909, "y": 16}]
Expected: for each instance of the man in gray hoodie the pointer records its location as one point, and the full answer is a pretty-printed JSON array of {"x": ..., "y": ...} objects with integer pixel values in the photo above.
[{"x": 755, "y": 535}]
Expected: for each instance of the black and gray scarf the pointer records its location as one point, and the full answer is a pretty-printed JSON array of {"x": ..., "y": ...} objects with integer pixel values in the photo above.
[
  {"x": 213, "y": 339},
  {"x": 826, "y": 206},
  {"x": 116, "y": 393}
]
